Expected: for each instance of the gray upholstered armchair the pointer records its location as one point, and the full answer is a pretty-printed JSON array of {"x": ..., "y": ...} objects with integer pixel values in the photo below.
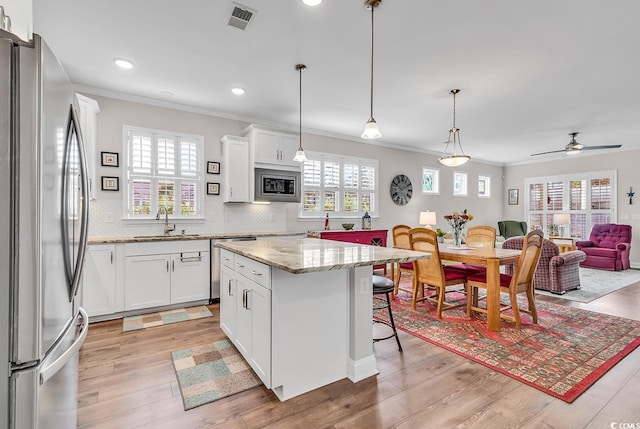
[
  {"x": 557, "y": 272},
  {"x": 512, "y": 228}
]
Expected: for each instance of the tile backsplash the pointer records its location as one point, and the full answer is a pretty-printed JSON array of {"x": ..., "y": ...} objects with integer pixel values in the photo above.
[{"x": 105, "y": 219}]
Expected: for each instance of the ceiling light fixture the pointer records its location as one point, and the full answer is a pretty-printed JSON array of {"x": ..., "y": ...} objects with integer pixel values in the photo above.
[
  {"x": 238, "y": 91},
  {"x": 312, "y": 2},
  {"x": 454, "y": 159},
  {"x": 371, "y": 128},
  {"x": 300, "y": 156},
  {"x": 122, "y": 63}
]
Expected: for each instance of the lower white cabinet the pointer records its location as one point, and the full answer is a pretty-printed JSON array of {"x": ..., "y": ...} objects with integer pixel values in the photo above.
[
  {"x": 99, "y": 280},
  {"x": 166, "y": 272},
  {"x": 245, "y": 311}
]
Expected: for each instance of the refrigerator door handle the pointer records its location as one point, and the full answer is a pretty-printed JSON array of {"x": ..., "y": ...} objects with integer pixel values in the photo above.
[{"x": 49, "y": 370}]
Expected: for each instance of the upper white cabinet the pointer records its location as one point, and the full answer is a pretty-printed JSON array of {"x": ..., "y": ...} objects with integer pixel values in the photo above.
[
  {"x": 89, "y": 110},
  {"x": 236, "y": 170},
  {"x": 272, "y": 147},
  {"x": 20, "y": 14}
]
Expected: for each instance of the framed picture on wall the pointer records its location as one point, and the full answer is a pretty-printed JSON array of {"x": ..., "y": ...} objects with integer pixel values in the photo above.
[
  {"x": 109, "y": 159},
  {"x": 213, "y": 167},
  {"x": 513, "y": 197},
  {"x": 213, "y": 188},
  {"x": 110, "y": 183}
]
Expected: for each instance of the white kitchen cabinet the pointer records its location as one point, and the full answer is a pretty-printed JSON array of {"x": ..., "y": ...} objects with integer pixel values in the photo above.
[
  {"x": 88, "y": 114},
  {"x": 166, "y": 272},
  {"x": 271, "y": 147},
  {"x": 148, "y": 281},
  {"x": 236, "y": 169},
  {"x": 189, "y": 271},
  {"x": 245, "y": 310},
  {"x": 99, "y": 280}
]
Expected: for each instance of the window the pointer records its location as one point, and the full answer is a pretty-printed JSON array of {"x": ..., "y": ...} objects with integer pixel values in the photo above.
[
  {"x": 459, "y": 184},
  {"x": 588, "y": 198},
  {"x": 484, "y": 186},
  {"x": 430, "y": 181},
  {"x": 342, "y": 186},
  {"x": 163, "y": 170}
]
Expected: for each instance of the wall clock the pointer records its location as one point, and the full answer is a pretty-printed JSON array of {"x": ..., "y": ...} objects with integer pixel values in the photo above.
[{"x": 401, "y": 189}]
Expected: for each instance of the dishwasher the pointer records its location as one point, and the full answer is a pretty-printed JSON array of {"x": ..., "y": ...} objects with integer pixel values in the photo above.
[{"x": 214, "y": 295}]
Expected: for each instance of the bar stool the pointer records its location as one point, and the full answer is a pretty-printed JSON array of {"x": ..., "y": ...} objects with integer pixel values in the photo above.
[{"x": 384, "y": 286}]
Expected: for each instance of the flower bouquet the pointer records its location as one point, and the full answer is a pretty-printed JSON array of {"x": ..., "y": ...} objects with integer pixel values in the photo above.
[{"x": 457, "y": 222}]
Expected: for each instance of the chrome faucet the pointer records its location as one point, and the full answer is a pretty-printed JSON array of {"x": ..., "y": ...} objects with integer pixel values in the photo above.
[{"x": 167, "y": 228}]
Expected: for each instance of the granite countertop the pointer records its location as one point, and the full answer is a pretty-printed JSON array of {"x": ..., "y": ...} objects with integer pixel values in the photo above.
[
  {"x": 178, "y": 236},
  {"x": 309, "y": 255}
]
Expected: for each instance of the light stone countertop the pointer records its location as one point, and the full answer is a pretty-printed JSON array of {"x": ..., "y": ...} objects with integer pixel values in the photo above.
[
  {"x": 178, "y": 236},
  {"x": 309, "y": 255}
]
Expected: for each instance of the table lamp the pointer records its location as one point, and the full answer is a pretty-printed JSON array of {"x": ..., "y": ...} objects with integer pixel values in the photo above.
[
  {"x": 561, "y": 219},
  {"x": 427, "y": 219}
]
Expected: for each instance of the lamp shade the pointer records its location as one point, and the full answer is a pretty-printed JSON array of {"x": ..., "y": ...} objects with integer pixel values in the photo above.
[
  {"x": 561, "y": 218},
  {"x": 428, "y": 218}
]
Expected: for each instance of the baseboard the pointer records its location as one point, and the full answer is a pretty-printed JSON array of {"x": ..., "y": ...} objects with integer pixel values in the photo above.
[
  {"x": 361, "y": 369},
  {"x": 635, "y": 265}
]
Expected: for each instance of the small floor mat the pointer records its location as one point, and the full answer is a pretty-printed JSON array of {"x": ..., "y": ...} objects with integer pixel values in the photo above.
[{"x": 132, "y": 323}]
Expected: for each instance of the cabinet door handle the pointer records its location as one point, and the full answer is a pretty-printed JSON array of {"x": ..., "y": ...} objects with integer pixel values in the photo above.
[
  {"x": 225, "y": 259},
  {"x": 230, "y": 294},
  {"x": 239, "y": 264},
  {"x": 111, "y": 257},
  {"x": 255, "y": 273},
  {"x": 173, "y": 265},
  {"x": 167, "y": 266},
  {"x": 246, "y": 300},
  {"x": 230, "y": 192}
]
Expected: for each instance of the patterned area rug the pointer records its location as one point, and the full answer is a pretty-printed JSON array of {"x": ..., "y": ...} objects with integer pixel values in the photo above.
[
  {"x": 211, "y": 372},
  {"x": 132, "y": 323},
  {"x": 597, "y": 283},
  {"x": 564, "y": 354}
]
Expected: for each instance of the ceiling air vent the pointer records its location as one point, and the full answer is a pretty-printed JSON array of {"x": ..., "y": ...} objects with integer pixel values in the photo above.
[{"x": 240, "y": 16}]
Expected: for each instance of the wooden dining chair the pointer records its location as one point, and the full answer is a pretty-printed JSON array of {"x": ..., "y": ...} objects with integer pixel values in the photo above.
[
  {"x": 477, "y": 236},
  {"x": 520, "y": 282},
  {"x": 432, "y": 273},
  {"x": 400, "y": 235}
]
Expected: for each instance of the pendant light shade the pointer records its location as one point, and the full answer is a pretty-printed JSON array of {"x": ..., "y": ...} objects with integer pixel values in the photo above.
[
  {"x": 371, "y": 130},
  {"x": 300, "y": 156},
  {"x": 457, "y": 156}
]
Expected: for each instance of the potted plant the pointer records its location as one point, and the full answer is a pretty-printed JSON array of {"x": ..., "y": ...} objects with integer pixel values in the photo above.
[{"x": 440, "y": 233}]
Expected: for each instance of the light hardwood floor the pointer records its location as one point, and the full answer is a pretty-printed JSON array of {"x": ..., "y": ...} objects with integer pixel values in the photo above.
[{"x": 127, "y": 381}]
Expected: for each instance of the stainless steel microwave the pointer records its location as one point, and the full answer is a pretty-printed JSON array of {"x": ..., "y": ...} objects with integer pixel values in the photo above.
[{"x": 277, "y": 185}]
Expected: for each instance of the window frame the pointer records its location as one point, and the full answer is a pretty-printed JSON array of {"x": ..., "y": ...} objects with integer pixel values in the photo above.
[
  {"x": 483, "y": 178},
  {"x": 464, "y": 192},
  {"x": 178, "y": 178},
  {"x": 588, "y": 212},
  {"x": 340, "y": 189},
  {"x": 435, "y": 174}
]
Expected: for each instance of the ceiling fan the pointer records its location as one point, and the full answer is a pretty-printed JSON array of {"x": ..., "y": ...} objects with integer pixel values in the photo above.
[{"x": 573, "y": 147}]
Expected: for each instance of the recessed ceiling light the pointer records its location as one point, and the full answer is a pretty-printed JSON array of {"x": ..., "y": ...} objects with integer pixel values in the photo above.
[
  {"x": 238, "y": 91},
  {"x": 122, "y": 63},
  {"x": 312, "y": 2}
]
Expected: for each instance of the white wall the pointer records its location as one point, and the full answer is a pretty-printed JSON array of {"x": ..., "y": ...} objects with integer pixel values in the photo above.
[
  {"x": 628, "y": 172},
  {"x": 106, "y": 210}
]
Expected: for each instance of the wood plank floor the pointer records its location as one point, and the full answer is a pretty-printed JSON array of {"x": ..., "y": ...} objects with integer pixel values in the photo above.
[{"x": 127, "y": 381}]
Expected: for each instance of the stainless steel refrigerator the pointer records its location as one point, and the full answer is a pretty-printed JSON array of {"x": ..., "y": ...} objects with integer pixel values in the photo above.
[{"x": 43, "y": 233}]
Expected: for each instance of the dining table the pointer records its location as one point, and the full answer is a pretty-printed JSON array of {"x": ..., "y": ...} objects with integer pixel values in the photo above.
[{"x": 492, "y": 259}]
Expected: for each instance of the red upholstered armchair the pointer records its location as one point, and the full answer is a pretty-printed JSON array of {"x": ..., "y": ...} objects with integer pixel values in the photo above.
[
  {"x": 608, "y": 247},
  {"x": 556, "y": 272}
]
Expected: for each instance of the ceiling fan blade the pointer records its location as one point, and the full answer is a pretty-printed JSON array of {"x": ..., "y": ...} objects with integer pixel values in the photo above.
[
  {"x": 544, "y": 153},
  {"x": 611, "y": 146}
]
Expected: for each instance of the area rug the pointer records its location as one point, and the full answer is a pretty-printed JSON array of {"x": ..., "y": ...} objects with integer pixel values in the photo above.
[
  {"x": 564, "y": 354},
  {"x": 597, "y": 283},
  {"x": 131, "y": 323},
  {"x": 210, "y": 372}
]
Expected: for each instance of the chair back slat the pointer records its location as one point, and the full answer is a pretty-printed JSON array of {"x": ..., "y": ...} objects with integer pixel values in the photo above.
[
  {"x": 481, "y": 236},
  {"x": 401, "y": 236},
  {"x": 427, "y": 270},
  {"x": 528, "y": 261}
]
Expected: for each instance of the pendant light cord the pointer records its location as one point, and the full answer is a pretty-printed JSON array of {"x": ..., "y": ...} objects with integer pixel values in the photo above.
[
  {"x": 371, "y": 89},
  {"x": 300, "y": 69}
]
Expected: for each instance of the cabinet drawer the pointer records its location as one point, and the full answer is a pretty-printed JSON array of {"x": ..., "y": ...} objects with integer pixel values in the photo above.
[
  {"x": 227, "y": 259},
  {"x": 253, "y": 270},
  {"x": 165, "y": 247}
]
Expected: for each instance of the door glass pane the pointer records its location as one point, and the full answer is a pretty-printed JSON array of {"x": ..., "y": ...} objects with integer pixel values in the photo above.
[
  {"x": 311, "y": 201},
  {"x": 350, "y": 201},
  {"x": 554, "y": 195},
  {"x": 166, "y": 195},
  {"x": 601, "y": 193},
  {"x": 330, "y": 201},
  {"x": 141, "y": 196},
  {"x": 188, "y": 198}
]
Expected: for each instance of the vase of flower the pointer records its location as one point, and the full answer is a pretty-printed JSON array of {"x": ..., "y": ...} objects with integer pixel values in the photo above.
[{"x": 457, "y": 221}]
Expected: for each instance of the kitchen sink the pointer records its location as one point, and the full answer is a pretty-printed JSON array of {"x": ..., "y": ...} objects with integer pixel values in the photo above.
[{"x": 167, "y": 236}]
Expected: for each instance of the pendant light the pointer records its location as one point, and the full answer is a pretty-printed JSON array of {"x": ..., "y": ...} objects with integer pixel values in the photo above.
[
  {"x": 371, "y": 129},
  {"x": 455, "y": 159},
  {"x": 300, "y": 156}
]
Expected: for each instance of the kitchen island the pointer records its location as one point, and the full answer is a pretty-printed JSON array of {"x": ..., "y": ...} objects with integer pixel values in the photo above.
[{"x": 300, "y": 311}]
